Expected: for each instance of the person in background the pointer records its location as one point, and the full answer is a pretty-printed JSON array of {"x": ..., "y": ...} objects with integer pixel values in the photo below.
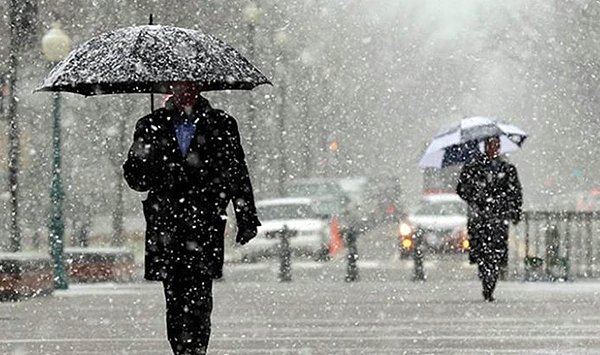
[
  {"x": 491, "y": 188},
  {"x": 189, "y": 158}
]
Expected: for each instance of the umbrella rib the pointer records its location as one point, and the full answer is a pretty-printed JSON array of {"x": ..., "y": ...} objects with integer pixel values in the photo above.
[
  {"x": 190, "y": 38},
  {"x": 138, "y": 40}
]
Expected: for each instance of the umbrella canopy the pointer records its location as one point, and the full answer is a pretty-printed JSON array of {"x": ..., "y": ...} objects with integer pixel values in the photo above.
[
  {"x": 462, "y": 142},
  {"x": 148, "y": 59}
]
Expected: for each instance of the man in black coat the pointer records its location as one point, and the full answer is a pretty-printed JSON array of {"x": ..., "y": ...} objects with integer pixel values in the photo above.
[
  {"x": 189, "y": 158},
  {"x": 491, "y": 188}
]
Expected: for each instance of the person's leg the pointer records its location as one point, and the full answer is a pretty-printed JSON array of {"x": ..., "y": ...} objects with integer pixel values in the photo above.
[
  {"x": 489, "y": 278},
  {"x": 196, "y": 318},
  {"x": 498, "y": 257},
  {"x": 503, "y": 250},
  {"x": 174, "y": 314},
  {"x": 488, "y": 263},
  {"x": 189, "y": 307}
]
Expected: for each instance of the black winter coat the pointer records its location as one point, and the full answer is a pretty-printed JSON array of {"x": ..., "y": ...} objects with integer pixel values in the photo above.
[
  {"x": 493, "y": 192},
  {"x": 185, "y": 209}
]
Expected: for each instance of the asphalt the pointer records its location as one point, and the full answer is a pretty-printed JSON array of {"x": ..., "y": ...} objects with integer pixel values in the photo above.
[{"x": 319, "y": 313}]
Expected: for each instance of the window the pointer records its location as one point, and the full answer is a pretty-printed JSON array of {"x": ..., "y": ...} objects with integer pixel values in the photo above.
[
  {"x": 289, "y": 211},
  {"x": 442, "y": 209}
]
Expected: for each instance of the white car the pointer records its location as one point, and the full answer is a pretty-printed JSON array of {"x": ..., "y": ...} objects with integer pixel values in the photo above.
[
  {"x": 309, "y": 231},
  {"x": 442, "y": 220}
]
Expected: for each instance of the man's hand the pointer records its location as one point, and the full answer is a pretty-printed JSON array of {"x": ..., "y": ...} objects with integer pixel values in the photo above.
[
  {"x": 516, "y": 217},
  {"x": 245, "y": 234}
]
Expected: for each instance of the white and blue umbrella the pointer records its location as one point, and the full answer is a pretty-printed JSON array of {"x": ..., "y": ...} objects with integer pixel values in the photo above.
[{"x": 462, "y": 142}]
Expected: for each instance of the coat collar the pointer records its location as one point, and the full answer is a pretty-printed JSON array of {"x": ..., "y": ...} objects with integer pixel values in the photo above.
[
  {"x": 201, "y": 108},
  {"x": 203, "y": 115}
]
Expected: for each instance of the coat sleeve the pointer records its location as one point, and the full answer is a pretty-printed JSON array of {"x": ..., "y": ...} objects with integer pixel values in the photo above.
[
  {"x": 239, "y": 183},
  {"x": 139, "y": 168},
  {"x": 465, "y": 188}
]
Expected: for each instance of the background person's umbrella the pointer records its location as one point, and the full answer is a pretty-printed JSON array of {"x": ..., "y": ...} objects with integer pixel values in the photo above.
[
  {"x": 147, "y": 59},
  {"x": 461, "y": 143}
]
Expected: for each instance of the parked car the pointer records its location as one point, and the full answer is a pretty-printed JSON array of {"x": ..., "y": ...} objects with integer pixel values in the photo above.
[
  {"x": 328, "y": 197},
  {"x": 354, "y": 187},
  {"x": 309, "y": 230},
  {"x": 440, "y": 220}
]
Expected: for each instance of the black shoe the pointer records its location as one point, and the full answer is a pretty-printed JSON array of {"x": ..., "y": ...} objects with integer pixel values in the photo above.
[{"x": 488, "y": 296}]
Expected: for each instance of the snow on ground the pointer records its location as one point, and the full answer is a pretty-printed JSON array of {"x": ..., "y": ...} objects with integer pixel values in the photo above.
[{"x": 317, "y": 314}]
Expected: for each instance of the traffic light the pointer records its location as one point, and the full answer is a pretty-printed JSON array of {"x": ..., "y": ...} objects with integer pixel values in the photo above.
[{"x": 333, "y": 146}]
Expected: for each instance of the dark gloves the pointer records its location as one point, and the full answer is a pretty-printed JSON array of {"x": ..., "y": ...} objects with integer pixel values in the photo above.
[
  {"x": 515, "y": 216},
  {"x": 245, "y": 233}
]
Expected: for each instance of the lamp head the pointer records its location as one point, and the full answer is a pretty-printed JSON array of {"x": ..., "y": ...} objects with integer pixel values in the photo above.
[{"x": 56, "y": 44}]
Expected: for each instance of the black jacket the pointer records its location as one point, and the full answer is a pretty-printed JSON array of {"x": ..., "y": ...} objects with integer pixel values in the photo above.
[
  {"x": 185, "y": 210},
  {"x": 492, "y": 190}
]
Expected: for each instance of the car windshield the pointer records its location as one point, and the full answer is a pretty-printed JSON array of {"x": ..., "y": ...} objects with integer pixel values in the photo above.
[
  {"x": 288, "y": 211},
  {"x": 445, "y": 208},
  {"x": 328, "y": 207},
  {"x": 311, "y": 190}
]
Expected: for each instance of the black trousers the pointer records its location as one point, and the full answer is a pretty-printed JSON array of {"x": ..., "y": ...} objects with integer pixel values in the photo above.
[
  {"x": 189, "y": 306},
  {"x": 489, "y": 250}
]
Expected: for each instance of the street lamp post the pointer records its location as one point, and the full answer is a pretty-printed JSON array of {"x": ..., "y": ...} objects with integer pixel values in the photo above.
[
  {"x": 251, "y": 14},
  {"x": 281, "y": 40},
  {"x": 55, "y": 46},
  {"x": 13, "y": 132}
]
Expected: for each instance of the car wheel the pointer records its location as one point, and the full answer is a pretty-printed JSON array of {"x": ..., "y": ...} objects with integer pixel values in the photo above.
[
  {"x": 322, "y": 254},
  {"x": 404, "y": 254}
]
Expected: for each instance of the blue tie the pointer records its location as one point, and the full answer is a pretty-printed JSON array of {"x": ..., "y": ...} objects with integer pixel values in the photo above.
[{"x": 184, "y": 132}]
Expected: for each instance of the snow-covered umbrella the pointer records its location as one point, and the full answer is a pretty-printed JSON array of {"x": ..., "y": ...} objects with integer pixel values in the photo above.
[
  {"x": 148, "y": 59},
  {"x": 462, "y": 142}
]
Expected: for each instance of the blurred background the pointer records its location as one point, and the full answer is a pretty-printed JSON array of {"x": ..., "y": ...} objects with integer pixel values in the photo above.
[{"x": 360, "y": 87}]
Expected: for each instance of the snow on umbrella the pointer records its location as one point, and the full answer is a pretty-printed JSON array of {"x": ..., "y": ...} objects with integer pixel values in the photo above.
[
  {"x": 147, "y": 59},
  {"x": 461, "y": 143}
]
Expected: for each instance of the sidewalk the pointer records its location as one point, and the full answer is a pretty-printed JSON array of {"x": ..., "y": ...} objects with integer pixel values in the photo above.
[{"x": 310, "y": 316}]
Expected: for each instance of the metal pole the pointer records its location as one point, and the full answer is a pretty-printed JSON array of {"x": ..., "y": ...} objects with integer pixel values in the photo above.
[
  {"x": 282, "y": 150},
  {"x": 13, "y": 133},
  {"x": 285, "y": 253},
  {"x": 418, "y": 257},
  {"x": 117, "y": 216},
  {"x": 151, "y": 22},
  {"x": 352, "y": 269},
  {"x": 57, "y": 225},
  {"x": 526, "y": 264},
  {"x": 117, "y": 222},
  {"x": 568, "y": 246},
  {"x": 251, "y": 141},
  {"x": 308, "y": 136},
  {"x": 589, "y": 245}
]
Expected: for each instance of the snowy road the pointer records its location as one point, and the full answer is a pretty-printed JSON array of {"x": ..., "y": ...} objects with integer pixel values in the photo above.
[{"x": 318, "y": 314}]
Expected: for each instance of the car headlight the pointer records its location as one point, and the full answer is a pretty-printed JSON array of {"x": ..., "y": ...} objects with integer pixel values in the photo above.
[
  {"x": 465, "y": 244},
  {"x": 461, "y": 236},
  {"x": 405, "y": 229},
  {"x": 407, "y": 242}
]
